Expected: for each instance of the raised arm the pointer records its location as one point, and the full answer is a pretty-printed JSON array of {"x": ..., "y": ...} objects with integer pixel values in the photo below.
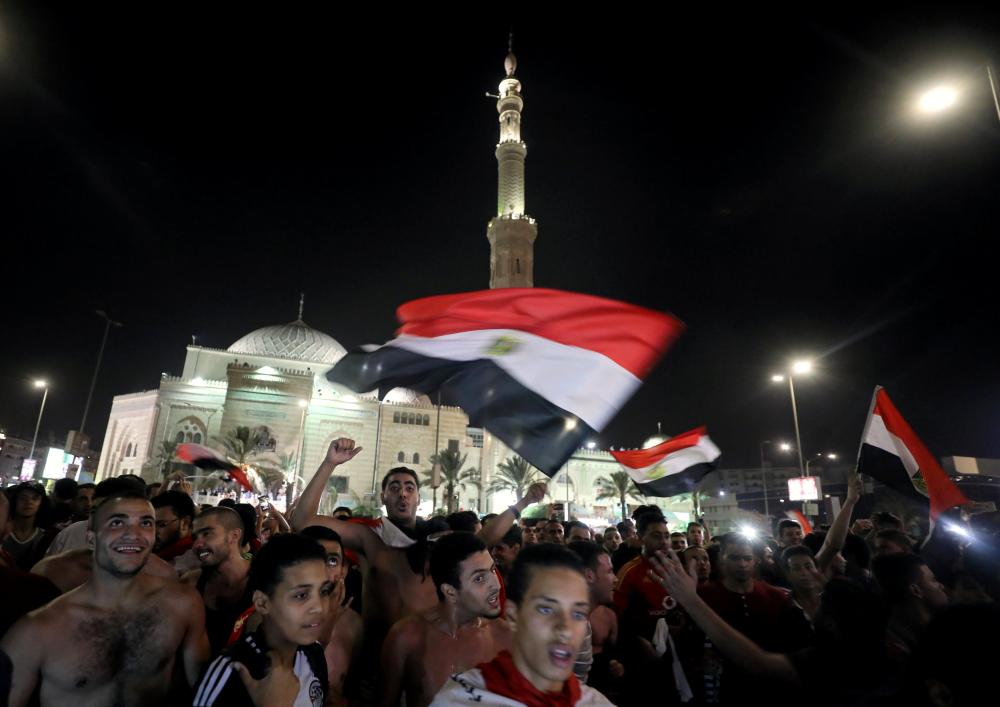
[
  {"x": 492, "y": 533},
  {"x": 341, "y": 450},
  {"x": 682, "y": 586},
  {"x": 837, "y": 534}
]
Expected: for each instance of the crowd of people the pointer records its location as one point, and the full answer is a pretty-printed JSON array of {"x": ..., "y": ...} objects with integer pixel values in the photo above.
[{"x": 128, "y": 594}]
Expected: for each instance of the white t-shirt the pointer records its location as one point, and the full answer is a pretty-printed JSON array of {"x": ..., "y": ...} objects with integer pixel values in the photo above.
[
  {"x": 469, "y": 688},
  {"x": 72, "y": 537}
]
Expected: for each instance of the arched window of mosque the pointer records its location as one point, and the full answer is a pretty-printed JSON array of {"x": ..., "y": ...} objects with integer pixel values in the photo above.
[
  {"x": 401, "y": 457},
  {"x": 416, "y": 457},
  {"x": 517, "y": 265},
  {"x": 395, "y": 417},
  {"x": 413, "y": 418},
  {"x": 128, "y": 450},
  {"x": 179, "y": 438},
  {"x": 427, "y": 420},
  {"x": 197, "y": 438}
]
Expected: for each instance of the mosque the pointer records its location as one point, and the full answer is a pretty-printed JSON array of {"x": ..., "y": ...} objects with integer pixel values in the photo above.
[{"x": 273, "y": 380}]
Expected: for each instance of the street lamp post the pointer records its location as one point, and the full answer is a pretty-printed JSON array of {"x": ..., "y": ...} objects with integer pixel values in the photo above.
[
  {"x": 798, "y": 368},
  {"x": 108, "y": 323},
  {"x": 45, "y": 395}
]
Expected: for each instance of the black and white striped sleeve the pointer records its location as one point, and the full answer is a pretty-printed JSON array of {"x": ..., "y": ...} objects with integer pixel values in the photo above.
[{"x": 219, "y": 675}]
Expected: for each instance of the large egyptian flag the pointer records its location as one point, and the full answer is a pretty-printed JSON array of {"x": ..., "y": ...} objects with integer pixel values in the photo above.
[
  {"x": 542, "y": 370},
  {"x": 892, "y": 453},
  {"x": 206, "y": 458},
  {"x": 671, "y": 467}
]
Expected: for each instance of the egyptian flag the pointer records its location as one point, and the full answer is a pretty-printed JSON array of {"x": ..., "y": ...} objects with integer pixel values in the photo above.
[
  {"x": 540, "y": 369},
  {"x": 205, "y": 458},
  {"x": 671, "y": 467},
  {"x": 800, "y": 518},
  {"x": 893, "y": 454}
]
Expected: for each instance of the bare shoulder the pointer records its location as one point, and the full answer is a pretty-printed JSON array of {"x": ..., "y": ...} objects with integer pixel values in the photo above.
[
  {"x": 409, "y": 631},
  {"x": 53, "y": 563},
  {"x": 158, "y": 567},
  {"x": 191, "y": 577},
  {"x": 168, "y": 591}
]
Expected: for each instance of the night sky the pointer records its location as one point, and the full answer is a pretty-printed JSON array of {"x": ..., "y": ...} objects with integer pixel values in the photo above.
[{"x": 763, "y": 177}]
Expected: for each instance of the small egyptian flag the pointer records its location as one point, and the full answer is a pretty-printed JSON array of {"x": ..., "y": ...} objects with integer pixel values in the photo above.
[
  {"x": 800, "y": 518},
  {"x": 206, "y": 458},
  {"x": 892, "y": 453},
  {"x": 542, "y": 370},
  {"x": 671, "y": 467}
]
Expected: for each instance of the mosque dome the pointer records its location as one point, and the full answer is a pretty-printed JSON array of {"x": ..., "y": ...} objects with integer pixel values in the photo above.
[
  {"x": 654, "y": 440},
  {"x": 296, "y": 340}
]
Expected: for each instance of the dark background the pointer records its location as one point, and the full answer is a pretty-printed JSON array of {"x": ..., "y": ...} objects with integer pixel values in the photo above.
[{"x": 191, "y": 170}]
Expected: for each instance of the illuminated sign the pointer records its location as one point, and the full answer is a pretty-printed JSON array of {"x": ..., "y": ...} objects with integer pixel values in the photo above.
[
  {"x": 804, "y": 488},
  {"x": 28, "y": 469},
  {"x": 57, "y": 463}
]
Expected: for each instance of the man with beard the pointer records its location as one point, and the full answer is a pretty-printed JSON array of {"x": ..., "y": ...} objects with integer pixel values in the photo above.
[
  {"x": 174, "y": 517},
  {"x": 115, "y": 639},
  {"x": 548, "y": 604},
  {"x": 463, "y": 630},
  {"x": 222, "y": 579},
  {"x": 393, "y": 554}
]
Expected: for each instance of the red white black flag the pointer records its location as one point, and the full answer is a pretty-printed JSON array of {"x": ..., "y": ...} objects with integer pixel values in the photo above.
[
  {"x": 892, "y": 453},
  {"x": 540, "y": 369},
  {"x": 671, "y": 467},
  {"x": 206, "y": 458}
]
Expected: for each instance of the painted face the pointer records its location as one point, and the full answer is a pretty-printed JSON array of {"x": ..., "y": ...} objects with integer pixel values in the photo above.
[
  {"x": 336, "y": 568},
  {"x": 603, "y": 580},
  {"x": 123, "y": 535},
  {"x": 555, "y": 533},
  {"x": 656, "y": 538},
  {"x": 479, "y": 594},
  {"x": 578, "y": 533},
  {"x": 612, "y": 540},
  {"x": 169, "y": 528},
  {"x": 504, "y": 554},
  {"x": 299, "y": 602},
  {"x": 401, "y": 497},
  {"x": 800, "y": 572},
  {"x": 696, "y": 536},
  {"x": 738, "y": 562},
  {"x": 791, "y": 536},
  {"x": 214, "y": 543},
  {"x": 550, "y": 624}
]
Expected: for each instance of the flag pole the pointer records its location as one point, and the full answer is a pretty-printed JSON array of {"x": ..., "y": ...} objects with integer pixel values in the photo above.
[{"x": 864, "y": 432}]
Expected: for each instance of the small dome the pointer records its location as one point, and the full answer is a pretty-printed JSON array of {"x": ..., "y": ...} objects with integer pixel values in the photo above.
[
  {"x": 510, "y": 64},
  {"x": 405, "y": 396},
  {"x": 296, "y": 340},
  {"x": 654, "y": 440}
]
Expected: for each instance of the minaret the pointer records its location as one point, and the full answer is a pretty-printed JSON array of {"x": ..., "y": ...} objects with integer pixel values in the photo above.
[{"x": 512, "y": 232}]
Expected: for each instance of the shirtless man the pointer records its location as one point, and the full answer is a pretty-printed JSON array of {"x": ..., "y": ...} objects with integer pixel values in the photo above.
[
  {"x": 222, "y": 579},
  {"x": 341, "y": 634},
  {"x": 113, "y": 640},
  {"x": 463, "y": 630},
  {"x": 395, "y": 584}
]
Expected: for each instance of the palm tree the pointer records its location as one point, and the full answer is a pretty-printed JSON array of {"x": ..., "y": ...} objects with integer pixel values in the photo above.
[
  {"x": 513, "y": 474},
  {"x": 164, "y": 459},
  {"x": 619, "y": 486},
  {"x": 244, "y": 447},
  {"x": 452, "y": 475}
]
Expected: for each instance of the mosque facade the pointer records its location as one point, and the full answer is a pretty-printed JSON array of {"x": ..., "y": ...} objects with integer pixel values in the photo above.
[{"x": 273, "y": 381}]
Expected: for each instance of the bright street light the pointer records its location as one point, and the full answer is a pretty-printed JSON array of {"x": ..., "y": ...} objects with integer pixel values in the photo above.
[
  {"x": 39, "y": 384},
  {"x": 802, "y": 367},
  {"x": 777, "y": 378},
  {"x": 937, "y": 99},
  {"x": 591, "y": 444},
  {"x": 786, "y": 447},
  {"x": 831, "y": 455}
]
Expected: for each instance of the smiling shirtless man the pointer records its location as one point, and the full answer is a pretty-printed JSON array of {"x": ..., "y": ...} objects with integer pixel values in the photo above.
[
  {"x": 114, "y": 639},
  {"x": 392, "y": 559}
]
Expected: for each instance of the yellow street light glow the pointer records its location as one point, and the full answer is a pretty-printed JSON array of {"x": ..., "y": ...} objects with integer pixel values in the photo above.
[
  {"x": 800, "y": 367},
  {"x": 777, "y": 378},
  {"x": 831, "y": 455},
  {"x": 786, "y": 447},
  {"x": 937, "y": 99},
  {"x": 39, "y": 384}
]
